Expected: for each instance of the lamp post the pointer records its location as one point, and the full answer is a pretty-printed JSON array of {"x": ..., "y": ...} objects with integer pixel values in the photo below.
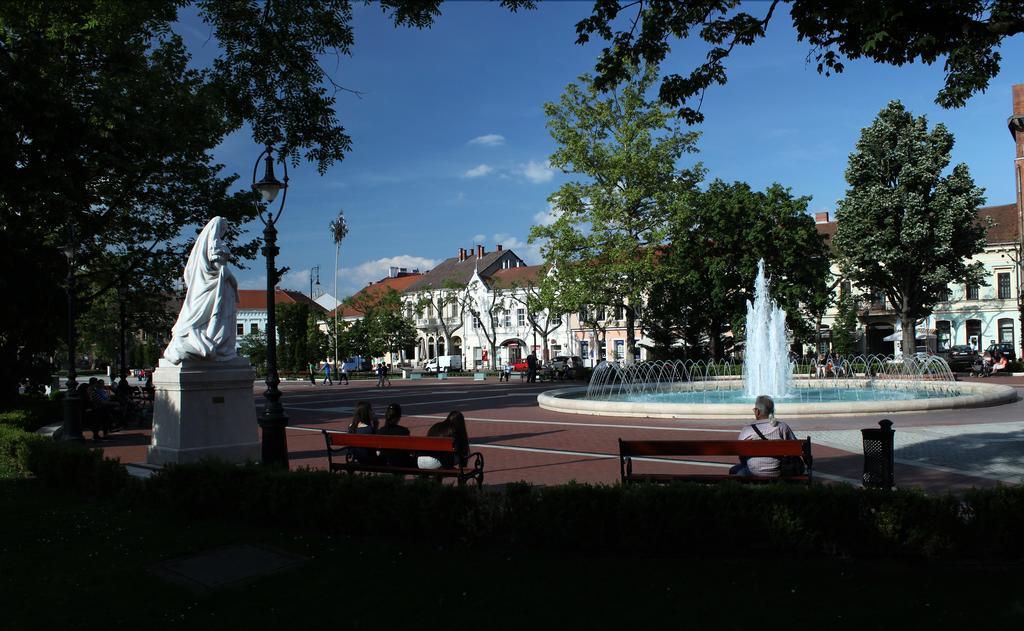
[
  {"x": 122, "y": 298},
  {"x": 274, "y": 450},
  {"x": 72, "y": 429}
]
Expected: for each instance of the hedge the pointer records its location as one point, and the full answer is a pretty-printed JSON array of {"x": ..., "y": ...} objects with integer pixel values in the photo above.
[
  {"x": 681, "y": 519},
  {"x": 31, "y": 413}
]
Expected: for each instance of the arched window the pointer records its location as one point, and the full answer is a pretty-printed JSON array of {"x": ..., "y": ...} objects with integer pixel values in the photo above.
[
  {"x": 943, "y": 335},
  {"x": 1006, "y": 330}
]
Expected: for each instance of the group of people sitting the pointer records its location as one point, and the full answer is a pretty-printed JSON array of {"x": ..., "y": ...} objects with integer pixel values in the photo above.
[
  {"x": 104, "y": 407},
  {"x": 364, "y": 421},
  {"x": 990, "y": 364}
]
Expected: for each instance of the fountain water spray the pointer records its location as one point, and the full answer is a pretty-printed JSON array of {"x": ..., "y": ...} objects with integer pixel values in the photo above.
[{"x": 766, "y": 368}]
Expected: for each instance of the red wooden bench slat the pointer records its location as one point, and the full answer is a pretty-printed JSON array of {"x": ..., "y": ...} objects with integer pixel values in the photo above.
[
  {"x": 748, "y": 448},
  {"x": 404, "y": 443},
  {"x": 714, "y": 477}
]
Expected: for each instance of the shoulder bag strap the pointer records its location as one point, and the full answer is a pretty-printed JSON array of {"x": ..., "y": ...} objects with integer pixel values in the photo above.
[{"x": 753, "y": 426}]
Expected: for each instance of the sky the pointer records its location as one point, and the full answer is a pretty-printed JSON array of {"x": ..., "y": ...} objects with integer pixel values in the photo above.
[{"x": 450, "y": 147}]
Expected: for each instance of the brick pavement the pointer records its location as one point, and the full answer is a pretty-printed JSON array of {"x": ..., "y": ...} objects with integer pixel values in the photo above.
[{"x": 939, "y": 451}]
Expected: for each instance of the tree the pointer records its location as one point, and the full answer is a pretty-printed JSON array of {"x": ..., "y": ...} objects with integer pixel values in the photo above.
[
  {"x": 607, "y": 237},
  {"x": 293, "y": 344},
  {"x": 844, "y": 329},
  {"x": 452, "y": 298},
  {"x": 966, "y": 33},
  {"x": 903, "y": 227},
  {"x": 712, "y": 262},
  {"x": 544, "y": 303},
  {"x": 254, "y": 346},
  {"x": 105, "y": 156},
  {"x": 486, "y": 305}
]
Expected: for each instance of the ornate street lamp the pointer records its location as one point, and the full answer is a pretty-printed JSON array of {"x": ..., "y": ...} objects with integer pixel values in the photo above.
[
  {"x": 273, "y": 421},
  {"x": 72, "y": 429}
]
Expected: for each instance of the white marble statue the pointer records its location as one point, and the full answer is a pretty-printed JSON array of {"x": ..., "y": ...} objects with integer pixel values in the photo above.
[{"x": 206, "y": 325}]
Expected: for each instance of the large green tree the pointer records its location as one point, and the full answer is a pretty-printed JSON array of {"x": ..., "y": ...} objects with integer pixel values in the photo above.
[
  {"x": 626, "y": 149},
  {"x": 967, "y": 34},
  {"x": 905, "y": 228},
  {"x": 712, "y": 262}
]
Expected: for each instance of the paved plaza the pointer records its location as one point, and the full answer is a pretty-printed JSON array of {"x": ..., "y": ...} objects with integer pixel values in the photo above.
[{"x": 948, "y": 450}]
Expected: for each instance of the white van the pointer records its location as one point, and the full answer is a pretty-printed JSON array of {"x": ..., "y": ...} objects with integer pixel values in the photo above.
[{"x": 444, "y": 363}]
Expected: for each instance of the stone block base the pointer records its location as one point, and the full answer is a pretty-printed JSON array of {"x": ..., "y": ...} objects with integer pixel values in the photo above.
[{"x": 204, "y": 409}]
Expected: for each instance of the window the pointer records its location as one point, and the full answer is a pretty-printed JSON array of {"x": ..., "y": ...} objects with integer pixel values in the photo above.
[
  {"x": 508, "y": 319},
  {"x": 1004, "y": 285},
  {"x": 454, "y": 311},
  {"x": 240, "y": 328},
  {"x": 620, "y": 349},
  {"x": 583, "y": 314},
  {"x": 943, "y": 335},
  {"x": 600, "y": 314},
  {"x": 1005, "y": 330},
  {"x": 521, "y": 317},
  {"x": 944, "y": 295},
  {"x": 476, "y": 322},
  {"x": 584, "y": 348},
  {"x": 254, "y": 327},
  {"x": 618, "y": 312},
  {"x": 845, "y": 288},
  {"x": 972, "y": 292}
]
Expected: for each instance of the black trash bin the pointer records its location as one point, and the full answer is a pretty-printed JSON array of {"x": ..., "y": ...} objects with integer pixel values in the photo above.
[{"x": 878, "y": 456}]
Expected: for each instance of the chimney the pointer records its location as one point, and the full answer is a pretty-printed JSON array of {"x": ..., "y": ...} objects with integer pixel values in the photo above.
[
  {"x": 821, "y": 217},
  {"x": 479, "y": 251},
  {"x": 462, "y": 254},
  {"x": 500, "y": 248},
  {"x": 1016, "y": 121}
]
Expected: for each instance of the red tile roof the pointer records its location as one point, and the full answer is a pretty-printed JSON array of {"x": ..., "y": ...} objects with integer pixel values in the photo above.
[
  {"x": 256, "y": 299},
  {"x": 371, "y": 293},
  {"x": 1004, "y": 228},
  {"x": 509, "y": 276}
]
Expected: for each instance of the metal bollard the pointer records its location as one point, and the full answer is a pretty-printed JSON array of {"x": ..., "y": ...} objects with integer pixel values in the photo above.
[{"x": 878, "y": 456}]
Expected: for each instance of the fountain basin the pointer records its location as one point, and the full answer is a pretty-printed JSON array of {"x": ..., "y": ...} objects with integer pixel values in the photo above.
[{"x": 927, "y": 395}]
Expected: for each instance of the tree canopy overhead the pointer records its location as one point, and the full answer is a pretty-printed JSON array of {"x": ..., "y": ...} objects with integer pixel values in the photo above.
[{"x": 966, "y": 33}]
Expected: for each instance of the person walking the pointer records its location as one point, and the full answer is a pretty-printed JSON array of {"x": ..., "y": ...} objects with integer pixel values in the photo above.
[
  {"x": 312, "y": 374},
  {"x": 343, "y": 375},
  {"x": 380, "y": 375},
  {"x": 387, "y": 374},
  {"x": 327, "y": 374}
]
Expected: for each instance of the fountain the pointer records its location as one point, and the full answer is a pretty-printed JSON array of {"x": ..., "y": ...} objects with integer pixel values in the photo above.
[
  {"x": 766, "y": 368},
  {"x": 715, "y": 389}
]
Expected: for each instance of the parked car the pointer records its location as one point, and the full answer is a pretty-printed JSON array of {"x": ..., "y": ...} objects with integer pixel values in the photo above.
[
  {"x": 561, "y": 362},
  {"x": 962, "y": 357},
  {"x": 1005, "y": 348}
]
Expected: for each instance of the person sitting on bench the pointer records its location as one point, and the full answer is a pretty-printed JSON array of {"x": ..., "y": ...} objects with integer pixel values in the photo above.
[
  {"x": 765, "y": 426},
  {"x": 395, "y": 457},
  {"x": 363, "y": 422},
  {"x": 452, "y": 427}
]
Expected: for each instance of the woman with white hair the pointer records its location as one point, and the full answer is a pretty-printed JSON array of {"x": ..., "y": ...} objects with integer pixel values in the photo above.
[{"x": 764, "y": 427}]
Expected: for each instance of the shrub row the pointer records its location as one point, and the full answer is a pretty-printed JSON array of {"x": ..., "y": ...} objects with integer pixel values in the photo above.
[
  {"x": 676, "y": 519},
  {"x": 683, "y": 519},
  {"x": 32, "y": 413}
]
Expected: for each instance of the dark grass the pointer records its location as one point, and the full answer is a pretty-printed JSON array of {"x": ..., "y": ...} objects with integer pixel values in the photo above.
[{"x": 68, "y": 562}]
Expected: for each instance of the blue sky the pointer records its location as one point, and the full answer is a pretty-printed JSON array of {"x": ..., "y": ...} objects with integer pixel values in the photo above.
[{"x": 450, "y": 146}]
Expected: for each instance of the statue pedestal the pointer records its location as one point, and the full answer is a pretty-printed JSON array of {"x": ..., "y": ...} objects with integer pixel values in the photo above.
[{"x": 204, "y": 409}]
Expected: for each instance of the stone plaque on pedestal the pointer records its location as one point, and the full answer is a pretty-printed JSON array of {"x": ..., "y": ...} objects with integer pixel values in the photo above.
[{"x": 204, "y": 409}]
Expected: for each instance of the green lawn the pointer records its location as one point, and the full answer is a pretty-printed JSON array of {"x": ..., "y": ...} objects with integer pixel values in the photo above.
[{"x": 79, "y": 564}]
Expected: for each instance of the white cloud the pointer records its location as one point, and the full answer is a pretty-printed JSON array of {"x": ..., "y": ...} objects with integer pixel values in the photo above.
[
  {"x": 352, "y": 279},
  {"x": 538, "y": 172},
  {"x": 259, "y": 282},
  {"x": 479, "y": 239},
  {"x": 488, "y": 140},
  {"x": 546, "y": 217},
  {"x": 478, "y": 171}
]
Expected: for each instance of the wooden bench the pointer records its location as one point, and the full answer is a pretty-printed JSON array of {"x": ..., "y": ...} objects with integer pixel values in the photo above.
[
  {"x": 628, "y": 449},
  {"x": 413, "y": 445}
]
